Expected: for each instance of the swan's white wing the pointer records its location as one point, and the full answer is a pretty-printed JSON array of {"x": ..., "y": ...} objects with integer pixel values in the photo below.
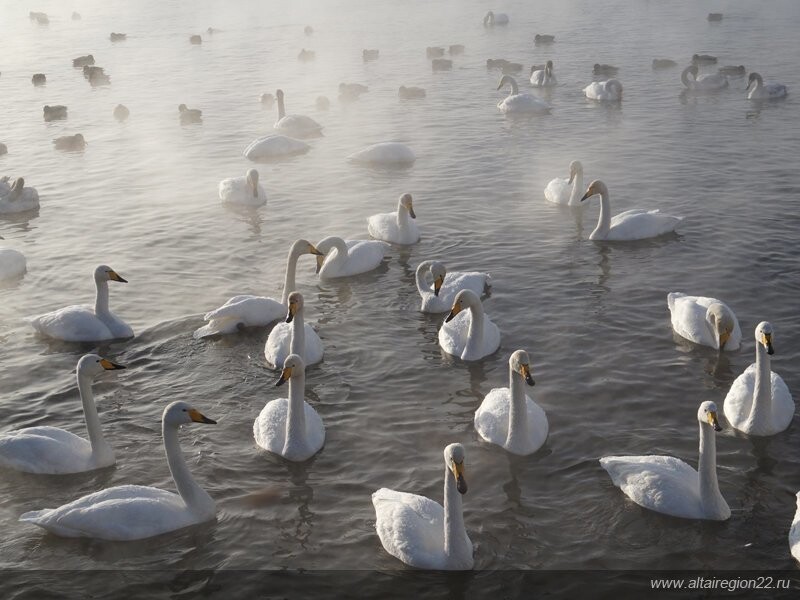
[
  {"x": 383, "y": 226},
  {"x": 638, "y": 224},
  {"x": 492, "y": 416},
  {"x": 710, "y": 82},
  {"x": 72, "y": 324},
  {"x": 537, "y": 78},
  {"x": 455, "y": 281},
  {"x": 274, "y": 146},
  {"x": 362, "y": 256},
  {"x": 299, "y": 125},
  {"x": 244, "y": 311},
  {"x": 269, "y": 430},
  {"x": 388, "y": 153},
  {"x": 236, "y": 191},
  {"x": 491, "y": 337},
  {"x": 45, "y": 449},
  {"x": 453, "y": 335},
  {"x": 279, "y": 342},
  {"x": 794, "y": 532},
  {"x": 12, "y": 263},
  {"x": 27, "y": 200},
  {"x": 523, "y": 103},
  {"x": 739, "y": 402},
  {"x": 688, "y": 317},
  {"x": 558, "y": 191}
]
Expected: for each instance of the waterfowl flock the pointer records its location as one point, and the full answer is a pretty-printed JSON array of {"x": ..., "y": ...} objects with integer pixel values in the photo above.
[{"x": 415, "y": 529}]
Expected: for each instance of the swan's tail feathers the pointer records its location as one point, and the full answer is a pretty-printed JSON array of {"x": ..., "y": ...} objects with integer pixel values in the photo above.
[
  {"x": 216, "y": 327},
  {"x": 33, "y": 516}
]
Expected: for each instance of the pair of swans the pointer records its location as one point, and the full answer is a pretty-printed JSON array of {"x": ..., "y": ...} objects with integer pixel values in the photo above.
[
  {"x": 243, "y": 190},
  {"x": 712, "y": 82},
  {"x": 15, "y": 197},
  {"x": 609, "y": 90},
  {"x": 438, "y": 296},
  {"x": 396, "y": 227},
  {"x": 81, "y": 323},
  {"x": 390, "y": 154},
  {"x": 566, "y": 191},
  {"x": 467, "y": 332},
  {"x": 763, "y": 91},
  {"x": 516, "y": 103},
  {"x": 544, "y": 77},
  {"x": 12, "y": 263},
  {"x": 300, "y": 126},
  {"x": 705, "y": 321},
  {"x": 293, "y": 336},
  {"x": 134, "y": 512}
]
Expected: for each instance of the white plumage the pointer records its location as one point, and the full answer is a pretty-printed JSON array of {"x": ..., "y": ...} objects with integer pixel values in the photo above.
[
  {"x": 438, "y": 295},
  {"x": 347, "y": 258},
  {"x": 293, "y": 336},
  {"x": 609, "y": 90},
  {"x": 384, "y": 153},
  {"x": 396, "y": 227},
  {"x": 15, "y": 197},
  {"x": 566, "y": 191},
  {"x": 516, "y": 103},
  {"x": 705, "y": 321},
  {"x": 243, "y": 190},
  {"x": 468, "y": 334}
]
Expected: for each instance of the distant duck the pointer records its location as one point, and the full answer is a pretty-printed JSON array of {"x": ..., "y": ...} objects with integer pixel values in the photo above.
[
  {"x": 306, "y": 55},
  {"x": 195, "y": 40},
  {"x": 516, "y": 103},
  {"x": 267, "y": 100},
  {"x": 604, "y": 69},
  {"x": 70, "y": 142},
  {"x": 543, "y": 39},
  {"x": 350, "y": 92},
  {"x": 713, "y": 82},
  {"x": 455, "y": 49},
  {"x": 18, "y": 198},
  {"x": 604, "y": 91},
  {"x": 441, "y": 64},
  {"x": 369, "y": 55},
  {"x": 39, "y": 79},
  {"x": 492, "y": 18},
  {"x": 322, "y": 103},
  {"x": 299, "y": 126},
  {"x": 715, "y": 17},
  {"x": 243, "y": 190},
  {"x": 212, "y": 30},
  {"x": 96, "y": 75},
  {"x": 39, "y": 17},
  {"x": 76, "y": 16},
  {"x": 434, "y": 52},
  {"x": 54, "y": 113},
  {"x": 396, "y": 227},
  {"x": 732, "y": 70},
  {"x": 408, "y": 93},
  {"x": 544, "y": 77},
  {"x": 663, "y": 63},
  {"x": 117, "y": 37},
  {"x": 308, "y": 30},
  {"x": 704, "y": 59},
  {"x": 3, "y": 149},
  {"x": 83, "y": 61},
  {"x": 272, "y": 147},
  {"x": 764, "y": 91},
  {"x": 190, "y": 115},
  {"x": 385, "y": 153},
  {"x": 121, "y": 112}
]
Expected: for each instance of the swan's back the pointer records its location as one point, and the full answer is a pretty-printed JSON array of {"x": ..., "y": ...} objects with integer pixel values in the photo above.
[
  {"x": 236, "y": 190},
  {"x": 241, "y": 311},
  {"x": 269, "y": 430},
  {"x": 72, "y": 324},
  {"x": 384, "y": 153},
  {"x": 298, "y": 125},
  {"x": 45, "y": 450},
  {"x": 362, "y": 256},
  {"x": 688, "y": 317},
  {"x": 274, "y": 146},
  {"x": 279, "y": 343},
  {"x": 639, "y": 224},
  {"x": 523, "y": 103},
  {"x": 384, "y": 227}
]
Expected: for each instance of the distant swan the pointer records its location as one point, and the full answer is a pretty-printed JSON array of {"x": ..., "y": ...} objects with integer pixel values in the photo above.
[
  {"x": 80, "y": 323},
  {"x": 384, "y": 153},
  {"x": 492, "y": 18},
  {"x": 353, "y": 257},
  {"x": 243, "y": 190},
  {"x": 271, "y": 147},
  {"x": 293, "y": 336},
  {"x": 544, "y": 77},
  {"x": 516, "y": 103},
  {"x": 705, "y": 83},
  {"x": 764, "y": 91},
  {"x": 419, "y": 531},
  {"x": 396, "y": 227},
  {"x": 470, "y": 335},
  {"x": 705, "y": 321},
  {"x": 759, "y": 402},
  {"x": 296, "y": 125},
  {"x": 668, "y": 485},
  {"x": 439, "y": 296},
  {"x": 634, "y": 224},
  {"x": 18, "y": 198},
  {"x": 51, "y": 450},
  {"x": 508, "y": 417},
  {"x": 134, "y": 512},
  {"x": 604, "y": 91},
  {"x": 290, "y": 427},
  {"x": 566, "y": 191},
  {"x": 12, "y": 263}
]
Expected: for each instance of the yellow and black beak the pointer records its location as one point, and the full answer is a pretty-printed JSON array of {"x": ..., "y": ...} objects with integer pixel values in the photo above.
[
  {"x": 113, "y": 276},
  {"x": 292, "y": 312},
  {"x": 766, "y": 339},
  {"x": 724, "y": 336},
  {"x": 437, "y": 285},
  {"x": 110, "y": 366},
  {"x": 712, "y": 420},
  {"x": 312, "y": 249},
  {"x": 197, "y": 417},
  {"x": 589, "y": 193},
  {"x": 453, "y": 312},
  {"x": 458, "y": 473},
  {"x": 285, "y": 375},
  {"x": 411, "y": 212},
  {"x": 525, "y": 371}
]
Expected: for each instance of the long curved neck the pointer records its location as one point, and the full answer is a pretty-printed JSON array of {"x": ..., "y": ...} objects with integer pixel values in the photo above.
[
  {"x": 403, "y": 218},
  {"x": 296, "y": 415},
  {"x": 340, "y": 258},
  {"x": 422, "y": 286},
  {"x": 298, "y": 344},
  {"x": 101, "y": 299},
  {"x": 101, "y": 449},
  {"x": 761, "y": 407},
  {"x": 759, "y": 84},
  {"x": 604, "y": 221},
  {"x": 517, "y": 410},
  {"x": 193, "y": 495},
  {"x": 475, "y": 331},
  {"x": 685, "y": 78},
  {"x": 281, "y": 109},
  {"x": 577, "y": 187},
  {"x": 291, "y": 271},
  {"x": 454, "y": 531},
  {"x": 514, "y": 87},
  {"x": 710, "y": 496}
]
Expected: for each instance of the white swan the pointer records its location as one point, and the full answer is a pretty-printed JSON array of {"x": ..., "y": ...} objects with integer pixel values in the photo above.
[
  {"x": 759, "y": 402},
  {"x": 79, "y": 323},
  {"x": 343, "y": 259},
  {"x": 384, "y": 153},
  {"x": 396, "y": 227},
  {"x": 18, "y": 198},
  {"x": 293, "y": 336},
  {"x": 492, "y": 18},
  {"x": 794, "y": 532},
  {"x": 634, "y": 224},
  {"x": 516, "y": 103},
  {"x": 468, "y": 334},
  {"x": 668, "y": 485},
  {"x": 609, "y": 90},
  {"x": 439, "y": 296},
  {"x": 295, "y": 125},
  {"x": 289, "y": 426},
  {"x": 134, "y": 512},
  {"x": 566, "y": 191},
  {"x": 508, "y": 417},
  {"x": 544, "y": 77},
  {"x": 243, "y": 190},
  {"x": 51, "y": 450},
  {"x": 248, "y": 310},
  {"x": 12, "y": 263},
  {"x": 712, "y": 82},
  {"x": 764, "y": 91},
  {"x": 273, "y": 147},
  {"x": 419, "y": 531},
  {"x": 705, "y": 321}
]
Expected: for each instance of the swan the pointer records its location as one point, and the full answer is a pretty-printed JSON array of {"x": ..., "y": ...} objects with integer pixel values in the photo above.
[
  {"x": 135, "y": 512},
  {"x": 439, "y": 297},
  {"x": 293, "y": 337},
  {"x": 290, "y": 426},
  {"x": 668, "y": 485},
  {"x": 384, "y": 153},
  {"x": 274, "y": 146},
  {"x": 347, "y": 258},
  {"x": 566, "y": 191},
  {"x": 190, "y": 115},
  {"x": 472, "y": 335},
  {"x": 243, "y": 190},
  {"x": 492, "y": 18},
  {"x": 80, "y": 323},
  {"x": 12, "y": 263},
  {"x": 18, "y": 198},
  {"x": 544, "y": 77},
  {"x": 712, "y": 82},
  {"x": 764, "y": 91},
  {"x": 516, "y": 103},
  {"x": 248, "y": 310},
  {"x": 794, "y": 532},
  {"x": 635, "y": 224},
  {"x": 759, "y": 402},
  {"x": 419, "y": 531},
  {"x": 609, "y": 90},
  {"x": 704, "y": 321},
  {"x": 396, "y": 227},
  {"x": 295, "y": 125},
  {"x": 51, "y": 450},
  {"x": 508, "y": 417}
]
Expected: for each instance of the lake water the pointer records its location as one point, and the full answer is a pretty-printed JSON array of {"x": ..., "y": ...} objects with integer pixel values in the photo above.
[{"x": 609, "y": 373}]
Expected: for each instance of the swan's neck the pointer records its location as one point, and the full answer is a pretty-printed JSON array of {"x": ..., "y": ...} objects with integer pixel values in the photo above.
[
  {"x": 298, "y": 344},
  {"x": 604, "y": 221},
  {"x": 710, "y": 496},
  {"x": 514, "y": 87},
  {"x": 577, "y": 189},
  {"x": 475, "y": 331},
  {"x": 517, "y": 411},
  {"x": 403, "y": 218},
  {"x": 761, "y": 408},
  {"x": 101, "y": 300},
  {"x": 289, "y": 283},
  {"x": 422, "y": 286},
  {"x": 455, "y": 548},
  {"x": 296, "y": 415},
  {"x": 101, "y": 450},
  {"x": 339, "y": 259},
  {"x": 685, "y": 78},
  {"x": 281, "y": 109},
  {"x": 195, "y": 497}
]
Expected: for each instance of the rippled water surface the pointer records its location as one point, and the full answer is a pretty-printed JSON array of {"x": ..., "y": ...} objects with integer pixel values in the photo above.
[{"x": 593, "y": 316}]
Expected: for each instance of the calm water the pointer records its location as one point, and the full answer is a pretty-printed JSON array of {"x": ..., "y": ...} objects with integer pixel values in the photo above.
[{"x": 611, "y": 377}]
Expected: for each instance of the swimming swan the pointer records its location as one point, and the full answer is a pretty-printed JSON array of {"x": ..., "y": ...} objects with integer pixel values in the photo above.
[
  {"x": 18, "y": 198},
  {"x": 248, "y": 310},
  {"x": 634, "y": 224},
  {"x": 704, "y": 321},
  {"x": 508, "y": 417},
  {"x": 80, "y": 323},
  {"x": 134, "y": 512},
  {"x": 52, "y": 450},
  {"x": 384, "y": 153},
  {"x": 759, "y": 402},
  {"x": 343, "y": 259},
  {"x": 609, "y": 90},
  {"x": 438, "y": 297},
  {"x": 396, "y": 227},
  {"x": 794, "y": 532},
  {"x": 566, "y": 191},
  {"x": 273, "y": 147},
  {"x": 12, "y": 263},
  {"x": 289, "y": 426},
  {"x": 668, "y": 485},
  {"x": 296, "y": 125},
  {"x": 705, "y": 83},
  {"x": 419, "y": 531},
  {"x": 293, "y": 337},
  {"x": 516, "y": 103},
  {"x": 470, "y": 335},
  {"x": 764, "y": 91},
  {"x": 492, "y": 18},
  {"x": 243, "y": 190},
  {"x": 544, "y": 77}
]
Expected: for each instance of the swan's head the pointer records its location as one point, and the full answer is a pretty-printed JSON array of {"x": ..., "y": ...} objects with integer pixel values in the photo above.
[
  {"x": 707, "y": 413},
  {"x": 753, "y": 77},
  {"x": 764, "y": 336},
  {"x": 181, "y": 413},
  {"x": 279, "y": 95},
  {"x": 182, "y": 108},
  {"x": 489, "y": 18},
  {"x": 454, "y": 459},
  {"x": 92, "y": 365},
  {"x": 549, "y": 65},
  {"x": 521, "y": 363},
  {"x": 17, "y": 186},
  {"x": 575, "y": 168},
  {"x": 295, "y": 301},
  {"x": 464, "y": 299},
  {"x": 595, "y": 188},
  {"x": 408, "y": 203},
  {"x": 693, "y": 70},
  {"x": 507, "y": 79},
  {"x": 293, "y": 366},
  {"x": 252, "y": 181},
  {"x": 438, "y": 271},
  {"x": 722, "y": 319},
  {"x": 106, "y": 273}
]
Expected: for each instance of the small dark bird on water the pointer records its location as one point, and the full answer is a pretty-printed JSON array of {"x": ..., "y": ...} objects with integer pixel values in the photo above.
[
  {"x": 121, "y": 112},
  {"x": 117, "y": 37},
  {"x": 190, "y": 115},
  {"x": 39, "y": 79},
  {"x": 55, "y": 113},
  {"x": 83, "y": 61},
  {"x": 70, "y": 142}
]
